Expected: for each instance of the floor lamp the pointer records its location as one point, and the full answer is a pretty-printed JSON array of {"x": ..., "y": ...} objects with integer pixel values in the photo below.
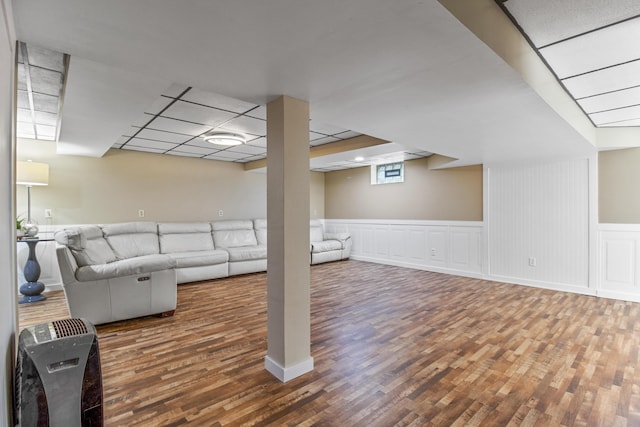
[{"x": 31, "y": 173}]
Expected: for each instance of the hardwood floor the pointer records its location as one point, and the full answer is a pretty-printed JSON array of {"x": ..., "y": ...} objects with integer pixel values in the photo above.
[{"x": 392, "y": 346}]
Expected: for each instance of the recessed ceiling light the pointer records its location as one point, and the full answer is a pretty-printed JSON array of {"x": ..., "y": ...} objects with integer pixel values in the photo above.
[
  {"x": 224, "y": 138},
  {"x": 359, "y": 159}
]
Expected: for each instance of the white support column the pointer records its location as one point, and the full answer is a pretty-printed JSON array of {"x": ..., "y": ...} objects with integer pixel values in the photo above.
[{"x": 288, "y": 270}]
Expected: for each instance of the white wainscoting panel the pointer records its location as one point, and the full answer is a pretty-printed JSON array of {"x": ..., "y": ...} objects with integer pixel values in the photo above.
[
  {"x": 538, "y": 224},
  {"x": 619, "y": 261},
  {"x": 453, "y": 247}
]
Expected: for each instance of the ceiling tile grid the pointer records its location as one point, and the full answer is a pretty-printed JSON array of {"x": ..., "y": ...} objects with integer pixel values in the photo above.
[
  {"x": 40, "y": 90},
  {"x": 176, "y": 122},
  {"x": 592, "y": 48}
]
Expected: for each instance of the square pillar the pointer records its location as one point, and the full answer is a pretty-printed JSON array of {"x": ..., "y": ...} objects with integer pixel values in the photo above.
[{"x": 288, "y": 264}]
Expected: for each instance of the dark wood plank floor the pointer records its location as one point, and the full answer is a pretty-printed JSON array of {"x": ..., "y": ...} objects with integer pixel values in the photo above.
[{"x": 392, "y": 346}]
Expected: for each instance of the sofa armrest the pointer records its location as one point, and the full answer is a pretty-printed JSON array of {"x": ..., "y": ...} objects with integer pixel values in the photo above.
[
  {"x": 342, "y": 237},
  {"x": 67, "y": 264}
]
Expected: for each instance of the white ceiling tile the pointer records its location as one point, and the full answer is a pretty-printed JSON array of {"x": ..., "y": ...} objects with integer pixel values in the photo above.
[
  {"x": 217, "y": 101},
  {"x": 142, "y": 120},
  {"x": 183, "y": 154},
  {"x": 163, "y": 136},
  {"x": 25, "y": 130},
  {"x": 178, "y": 126},
  {"x": 596, "y": 50},
  {"x": 23, "y": 115},
  {"x": 43, "y": 102},
  {"x": 623, "y": 98},
  {"x": 131, "y": 131},
  {"x": 629, "y": 113},
  {"x": 138, "y": 142},
  {"x": 23, "y": 99},
  {"x": 45, "y": 81},
  {"x": 45, "y": 58},
  {"x": 547, "y": 21},
  {"x": 44, "y": 118},
  {"x": 313, "y": 136},
  {"x": 22, "y": 76},
  {"x": 324, "y": 128},
  {"x": 145, "y": 149},
  {"x": 254, "y": 158},
  {"x": 116, "y": 145},
  {"x": 158, "y": 105},
  {"x": 258, "y": 113},
  {"x": 247, "y": 149},
  {"x": 226, "y": 155},
  {"x": 348, "y": 134},
  {"x": 245, "y": 124},
  {"x": 634, "y": 122},
  {"x": 46, "y": 132},
  {"x": 616, "y": 78},
  {"x": 200, "y": 151},
  {"x": 199, "y": 142},
  {"x": 325, "y": 140},
  {"x": 258, "y": 142},
  {"x": 121, "y": 140},
  {"x": 197, "y": 113},
  {"x": 174, "y": 90}
]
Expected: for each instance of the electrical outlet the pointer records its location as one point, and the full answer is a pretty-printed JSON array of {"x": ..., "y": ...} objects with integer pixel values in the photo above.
[
  {"x": 532, "y": 262},
  {"x": 220, "y": 212},
  {"x": 47, "y": 213},
  {"x": 141, "y": 213},
  {"x": 434, "y": 252}
]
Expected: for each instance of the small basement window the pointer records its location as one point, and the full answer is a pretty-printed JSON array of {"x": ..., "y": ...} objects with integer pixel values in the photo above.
[{"x": 387, "y": 173}]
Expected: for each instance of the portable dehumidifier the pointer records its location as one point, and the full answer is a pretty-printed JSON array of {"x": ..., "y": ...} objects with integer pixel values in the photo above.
[{"x": 58, "y": 376}]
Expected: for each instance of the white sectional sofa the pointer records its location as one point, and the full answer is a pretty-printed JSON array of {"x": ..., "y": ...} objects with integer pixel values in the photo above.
[{"x": 119, "y": 271}]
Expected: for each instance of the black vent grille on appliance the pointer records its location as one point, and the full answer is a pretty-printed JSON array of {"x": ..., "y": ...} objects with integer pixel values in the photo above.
[{"x": 69, "y": 327}]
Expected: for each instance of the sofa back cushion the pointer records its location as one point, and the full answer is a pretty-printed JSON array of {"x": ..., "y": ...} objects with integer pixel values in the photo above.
[
  {"x": 315, "y": 231},
  {"x": 260, "y": 226},
  {"x": 87, "y": 244},
  {"x": 132, "y": 239},
  {"x": 234, "y": 233},
  {"x": 185, "y": 237}
]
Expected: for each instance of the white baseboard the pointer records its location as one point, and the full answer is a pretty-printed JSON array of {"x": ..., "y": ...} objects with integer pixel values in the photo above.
[
  {"x": 288, "y": 373},
  {"x": 423, "y": 267},
  {"x": 53, "y": 287},
  {"x": 563, "y": 287}
]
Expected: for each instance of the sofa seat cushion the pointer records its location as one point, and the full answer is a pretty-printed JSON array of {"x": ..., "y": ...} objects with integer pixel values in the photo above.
[
  {"x": 324, "y": 246},
  {"x": 246, "y": 253},
  {"x": 125, "y": 267},
  {"x": 199, "y": 258}
]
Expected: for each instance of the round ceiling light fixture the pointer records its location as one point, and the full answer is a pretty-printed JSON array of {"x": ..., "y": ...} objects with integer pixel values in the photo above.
[{"x": 224, "y": 138}]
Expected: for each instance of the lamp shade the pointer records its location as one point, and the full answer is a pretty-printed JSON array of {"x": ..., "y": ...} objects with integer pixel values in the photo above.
[{"x": 32, "y": 173}]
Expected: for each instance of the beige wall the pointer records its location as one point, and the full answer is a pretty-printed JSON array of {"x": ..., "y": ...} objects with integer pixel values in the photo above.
[
  {"x": 169, "y": 188},
  {"x": 316, "y": 184},
  {"x": 447, "y": 194},
  {"x": 619, "y": 186}
]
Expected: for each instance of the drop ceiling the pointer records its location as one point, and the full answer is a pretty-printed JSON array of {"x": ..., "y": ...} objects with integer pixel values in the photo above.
[
  {"x": 176, "y": 122},
  {"x": 406, "y": 72},
  {"x": 41, "y": 75},
  {"x": 593, "y": 48}
]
